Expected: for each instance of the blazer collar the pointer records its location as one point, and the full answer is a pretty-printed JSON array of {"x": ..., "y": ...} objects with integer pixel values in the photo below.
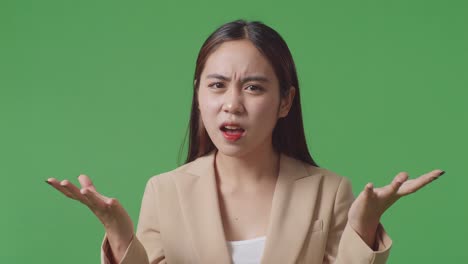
[{"x": 290, "y": 217}]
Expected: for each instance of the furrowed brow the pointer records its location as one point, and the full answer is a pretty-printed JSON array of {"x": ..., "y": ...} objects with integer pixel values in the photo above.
[
  {"x": 218, "y": 76},
  {"x": 255, "y": 78},
  {"x": 258, "y": 78}
]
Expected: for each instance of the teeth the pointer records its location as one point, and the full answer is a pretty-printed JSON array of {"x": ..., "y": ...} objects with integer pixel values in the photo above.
[{"x": 231, "y": 127}]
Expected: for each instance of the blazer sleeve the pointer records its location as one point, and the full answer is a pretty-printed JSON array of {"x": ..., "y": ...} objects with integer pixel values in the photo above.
[
  {"x": 146, "y": 246},
  {"x": 344, "y": 245}
]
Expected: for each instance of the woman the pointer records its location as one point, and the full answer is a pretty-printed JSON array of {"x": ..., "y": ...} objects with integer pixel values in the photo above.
[{"x": 249, "y": 192}]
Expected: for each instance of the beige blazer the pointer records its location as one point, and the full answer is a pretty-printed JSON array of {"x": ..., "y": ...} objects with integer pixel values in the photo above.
[{"x": 180, "y": 221}]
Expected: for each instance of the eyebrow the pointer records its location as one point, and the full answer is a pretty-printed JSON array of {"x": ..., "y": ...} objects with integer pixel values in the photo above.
[{"x": 243, "y": 80}]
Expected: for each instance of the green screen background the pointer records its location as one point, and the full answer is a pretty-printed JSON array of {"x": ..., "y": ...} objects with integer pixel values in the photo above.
[{"x": 104, "y": 88}]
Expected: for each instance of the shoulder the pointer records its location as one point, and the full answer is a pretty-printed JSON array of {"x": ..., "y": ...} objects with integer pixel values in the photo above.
[
  {"x": 169, "y": 177},
  {"x": 331, "y": 181},
  {"x": 329, "y": 176},
  {"x": 334, "y": 191}
]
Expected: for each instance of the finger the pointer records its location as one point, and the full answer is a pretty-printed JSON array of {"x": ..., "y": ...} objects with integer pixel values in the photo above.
[
  {"x": 86, "y": 182},
  {"x": 56, "y": 184},
  {"x": 394, "y": 186},
  {"x": 102, "y": 197},
  {"x": 94, "y": 200},
  {"x": 414, "y": 185},
  {"x": 70, "y": 187},
  {"x": 398, "y": 181},
  {"x": 112, "y": 202},
  {"x": 369, "y": 189},
  {"x": 436, "y": 174}
]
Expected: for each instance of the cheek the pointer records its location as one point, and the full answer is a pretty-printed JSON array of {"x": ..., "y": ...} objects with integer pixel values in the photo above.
[
  {"x": 207, "y": 100},
  {"x": 208, "y": 106},
  {"x": 208, "y": 111},
  {"x": 265, "y": 115}
]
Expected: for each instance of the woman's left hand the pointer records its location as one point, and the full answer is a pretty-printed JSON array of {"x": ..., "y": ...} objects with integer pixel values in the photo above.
[{"x": 365, "y": 212}]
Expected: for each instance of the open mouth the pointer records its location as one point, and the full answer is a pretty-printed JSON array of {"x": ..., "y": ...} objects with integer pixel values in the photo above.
[
  {"x": 232, "y": 132},
  {"x": 232, "y": 129}
]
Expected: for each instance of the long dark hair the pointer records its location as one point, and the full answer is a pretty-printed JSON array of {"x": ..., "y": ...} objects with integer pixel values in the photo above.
[{"x": 288, "y": 134}]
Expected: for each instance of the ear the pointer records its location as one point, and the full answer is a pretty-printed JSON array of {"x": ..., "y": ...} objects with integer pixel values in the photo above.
[{"x": 286, "y": 102}]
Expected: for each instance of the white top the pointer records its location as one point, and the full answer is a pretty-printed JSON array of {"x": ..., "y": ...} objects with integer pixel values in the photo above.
[{"x": 247, "y": 251}]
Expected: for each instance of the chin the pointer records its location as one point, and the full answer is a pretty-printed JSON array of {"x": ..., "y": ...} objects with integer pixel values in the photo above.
[
  {"x": 238, "y": 149},
  {"x": 235, "y": 151},
  {"x": 232, "y": 151}
]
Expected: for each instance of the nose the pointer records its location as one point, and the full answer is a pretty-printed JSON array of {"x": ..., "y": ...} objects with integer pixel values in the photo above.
[{"x": 233, "y": 101}]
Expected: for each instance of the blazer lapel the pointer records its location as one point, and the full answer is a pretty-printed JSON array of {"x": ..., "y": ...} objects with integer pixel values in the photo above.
[
  {"x": 200, "y": 206},
  {"x": 291, "y": 212},
  {"x": 290, "y": 217}
]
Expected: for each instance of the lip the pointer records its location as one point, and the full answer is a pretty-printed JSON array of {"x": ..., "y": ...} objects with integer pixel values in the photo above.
[
  {"x": 232, "y": 137},
  {"x": 231, "y": 124}
]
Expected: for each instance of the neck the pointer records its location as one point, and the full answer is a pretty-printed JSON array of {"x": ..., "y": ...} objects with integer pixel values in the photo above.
[{"x": 249, "y": 171}]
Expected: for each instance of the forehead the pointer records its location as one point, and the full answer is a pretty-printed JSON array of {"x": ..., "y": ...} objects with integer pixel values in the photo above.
[{"x": 237, "y": 58}]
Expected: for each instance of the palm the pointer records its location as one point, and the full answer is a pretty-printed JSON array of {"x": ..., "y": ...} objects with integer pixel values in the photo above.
[
  {"x": 108, "y": 210},
  {"x": 372, "y": 202},
  {"x": 117, "y": 222}
]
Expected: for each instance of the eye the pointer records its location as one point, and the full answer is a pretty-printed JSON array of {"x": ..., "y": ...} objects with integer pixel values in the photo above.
[
  {"x": 216, "y": 85},
  {"x": 253, "y": 88}
]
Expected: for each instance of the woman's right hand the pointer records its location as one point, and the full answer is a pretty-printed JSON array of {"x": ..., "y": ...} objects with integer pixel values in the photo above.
[{"x": 116, "y": 221}]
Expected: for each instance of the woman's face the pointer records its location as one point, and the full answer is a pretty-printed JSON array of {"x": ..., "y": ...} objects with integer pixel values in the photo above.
[{"x": 239, "y": 99}]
